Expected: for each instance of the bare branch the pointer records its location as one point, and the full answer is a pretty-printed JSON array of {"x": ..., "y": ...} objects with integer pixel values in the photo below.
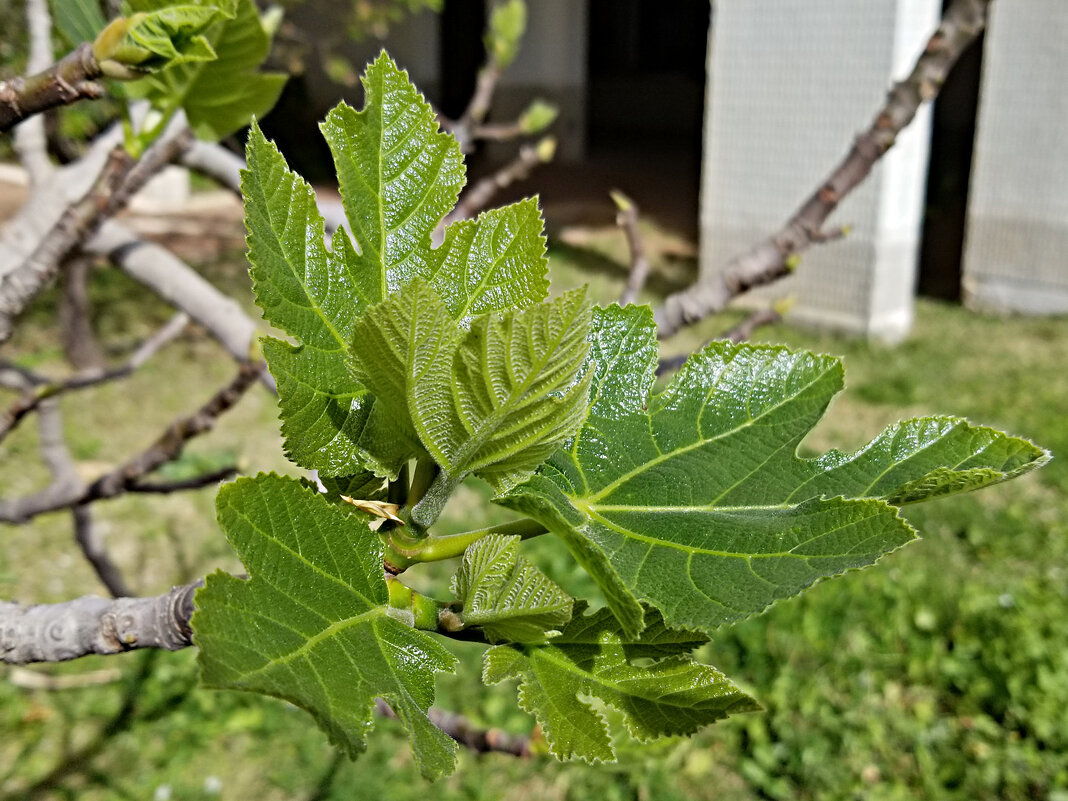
[
  {"x": 92, "y": 625},
  {"x": 76, "y": 316},
  {"x": 770, "y": 260},
  {"x": 57, "y": 456},
  {"x": 216, "y": 162},
  {"x": 478, "y": 196},
  {"x": 497, "y": 132},
  {"x": 32, "y": 680},
  {"x": 120, "y": 178},
  {"x": 627, "y": 219},
  {"x": 116, "y": 482},
  {"x": 195, "y": 482},
  {"x": 71, "y": 79},
  {"x": 179, "y": 284},
  {"x": 459, "y": 728},
  {"x": 92, "y": 548},
  {"x": 739, "y": 333},
  {"x": 31, "y": 140},
  {"x": 38, "y": 388}
]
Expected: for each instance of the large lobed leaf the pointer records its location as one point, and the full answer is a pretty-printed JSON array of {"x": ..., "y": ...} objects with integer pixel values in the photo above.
[
  {"x": 399, "y": 175},
  {"x": 695, "y": 500},
  {"x": 311, "y": 623},
  {"x": 592, "y": 658}
]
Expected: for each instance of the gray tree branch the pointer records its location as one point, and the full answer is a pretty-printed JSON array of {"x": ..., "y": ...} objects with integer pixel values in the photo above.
[
  {"x": 119, "y": 179},
  {"x": 627, "y": 219},
  {"x": 166, "y": 448},
  {"x": 92, "y": 625},
  {"x": 31, "y": 141},
  {"x": 770, "y": 260},
  {"x": 37, "y": 388}
]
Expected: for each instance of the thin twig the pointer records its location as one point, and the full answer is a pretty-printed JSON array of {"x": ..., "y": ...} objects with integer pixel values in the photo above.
[
  {"x": 32, "y": 680},
  {"x": 38, "y": 388},
  {"x": 118, "y": 481},
  {"x": 627, "y": 219},
  {"x": 120, "y": 178},
  {"x": 498, "y": 131},
  {"x": 478, "y": 196},
  {"x": 56, "y": 455},
  {"x": 459, "y": 728},
  {"x": 208, "y": 479},
  {"x": 92, "y": 548},
  {"x": 739, "y": 333},
  {"x": 771, "y": 259}
]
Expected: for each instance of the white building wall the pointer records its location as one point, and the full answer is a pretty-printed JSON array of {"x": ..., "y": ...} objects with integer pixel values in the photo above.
[
  {"x": 1016, "y": 248},
  {"x": 791, "y": 82}
]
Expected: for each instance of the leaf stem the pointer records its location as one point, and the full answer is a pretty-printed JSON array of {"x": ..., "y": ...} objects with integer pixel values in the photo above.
[
  {"x": 417, "y": 610},
  {"x": 426, "y": 470},
  {"x": 402, "y": 551},
  {"x": 427, "y": 509}
]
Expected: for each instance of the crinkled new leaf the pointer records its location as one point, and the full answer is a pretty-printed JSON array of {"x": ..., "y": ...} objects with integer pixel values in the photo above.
[
  {"x": 507, "y": 596},
  {"x": 398, "y": 175},
  {"x": 218, "y": 94},
  {"x": 495, "y": 400}
]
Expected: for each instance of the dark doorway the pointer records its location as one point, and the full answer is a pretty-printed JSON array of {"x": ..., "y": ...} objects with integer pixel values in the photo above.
[
  {"x": 462, "y": 53},
  {"x": 952, "y": 143},
  {"x": 646, "y": 93}
]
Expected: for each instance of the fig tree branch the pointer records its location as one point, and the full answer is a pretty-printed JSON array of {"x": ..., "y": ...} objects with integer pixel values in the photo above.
[
  {"x": 480, "y": 194},
  {"x": 770, "y": 260},
  {"x": 739, "y": 333},
  {"x": 31, "y": 139},
  {"x": 71, "y": 79},
  {"x": 118, "y": 481},
  {"x": 119, "y": 179},
  {"x": 92, "y": 625},
  {"x": 41, "y": 388},
  {"x": 627, "y": 219}
]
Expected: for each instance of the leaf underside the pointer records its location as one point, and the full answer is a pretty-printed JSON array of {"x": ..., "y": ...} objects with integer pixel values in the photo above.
[
  {"x": 592, "y": 659},
  {"x": 506, "y": 595},
  {"x": 695, "y": 501},
  {"x": 311, "y": 625}
]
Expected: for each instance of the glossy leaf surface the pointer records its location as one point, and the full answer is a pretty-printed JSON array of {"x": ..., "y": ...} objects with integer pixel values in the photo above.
[
  {"x": 695, "y": 500},
  {"x": 311, "y": 623}
]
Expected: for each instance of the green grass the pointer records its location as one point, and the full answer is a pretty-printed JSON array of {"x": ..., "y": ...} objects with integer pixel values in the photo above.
[{"x": 940, "y": 673}]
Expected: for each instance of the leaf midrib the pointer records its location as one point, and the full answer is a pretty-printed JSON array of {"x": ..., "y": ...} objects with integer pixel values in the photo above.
[{"x": 662, "y": 457}]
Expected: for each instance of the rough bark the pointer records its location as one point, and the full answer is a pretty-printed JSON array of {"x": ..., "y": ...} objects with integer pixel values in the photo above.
[
  {"x": 92, "y": 625},
  {"x": 68, "y": 80}
]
